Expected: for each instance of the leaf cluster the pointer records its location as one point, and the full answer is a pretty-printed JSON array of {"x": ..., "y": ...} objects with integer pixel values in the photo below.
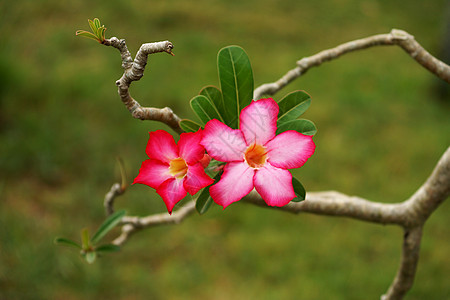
[
  {"x": 98, "y": 31},
  {"x": 89, "y": 249},
  {"x": 235, "y": 93}
]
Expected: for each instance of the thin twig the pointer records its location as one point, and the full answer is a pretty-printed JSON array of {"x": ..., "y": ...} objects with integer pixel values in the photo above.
[
  {"x": 108, "y": 202},
  {"x": 133, "y": 224},
  {"x": 395, "y": 37}
]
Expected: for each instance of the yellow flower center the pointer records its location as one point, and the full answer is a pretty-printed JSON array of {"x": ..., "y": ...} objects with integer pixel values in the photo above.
[
  {"x": 178, "y": 168},
  {"x": 256, "y": 156}
]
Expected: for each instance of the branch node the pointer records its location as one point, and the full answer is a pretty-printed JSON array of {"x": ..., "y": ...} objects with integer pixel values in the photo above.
[
  {"x": 400, "y": 35},
  {"x": 133, "y": 109},
  {"x": 133, "y": 71}
]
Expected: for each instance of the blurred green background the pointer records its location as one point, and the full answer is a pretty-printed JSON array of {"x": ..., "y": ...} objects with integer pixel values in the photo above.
[{"x": 382, "y": 127}]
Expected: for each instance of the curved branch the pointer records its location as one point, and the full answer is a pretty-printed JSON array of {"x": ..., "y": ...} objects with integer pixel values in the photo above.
[
  {"x": 133, "y": 224},
  {"x": 428, "y": 197},
  {"x": 395, "y": 37},
  {"x": 412, "y": 212},
  {"x": 432, "y": 193},
  {"x": 133, "y": 71},
  {"x": 404, "y": 279},
  {"x": 108, "y": 202},
  {"x": 332, "y": 203}
]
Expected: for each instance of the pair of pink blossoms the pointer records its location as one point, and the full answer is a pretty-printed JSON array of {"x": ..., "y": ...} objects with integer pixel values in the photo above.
[{"x": 256, "y": 158}]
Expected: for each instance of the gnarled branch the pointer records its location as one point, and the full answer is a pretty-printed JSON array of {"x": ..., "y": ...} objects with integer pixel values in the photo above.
[{"x": 133, "y": 71}]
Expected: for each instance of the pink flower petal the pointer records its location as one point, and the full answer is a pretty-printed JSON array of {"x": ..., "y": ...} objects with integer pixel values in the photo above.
[
  {"x": 172, "y": 191},
  {"x": 205, "y": 160},
  {"x": 290, "y": 149},
  {"x": 196, "y": 179},
  {"x": 189, "y": 147},
  {"x": 152, "y": 173},
  {"x": 259, "y": 121},
  {"x": 235, "y": 183},
  {"x": 274, "y": 185},
  {"x": 161, "y": 146},
  {"x": 222, "y": 142}
]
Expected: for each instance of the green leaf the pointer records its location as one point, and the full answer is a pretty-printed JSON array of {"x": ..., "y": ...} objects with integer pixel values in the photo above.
[
  {"x": 109, "y": 224},
  {"x": 101, "y": 33},
  {"x": 92, "y": 25},
  {"x": 204, "y": 109},
  {"x": 215, "y": 97},
  {"x": 293, "y": 105},
  {"x": 189, "y": 126},
  {"x": 236, "y": 82},
  {"x": 107, "y": 248},
  {"x": 204, "y": 200},
  {"x": 86, "y": 34},
  {"x": 97, "y": 23},
  {"x": 299, "y": 190},
  {"x": 301, "y": 125},
  {"x": 67, "y": 242},
  {"x": 90, "y": 256},
  {"x": 85, "y": 238}
]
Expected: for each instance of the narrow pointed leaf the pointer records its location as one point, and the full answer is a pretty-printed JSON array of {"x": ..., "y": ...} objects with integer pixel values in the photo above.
[
  {"x": 215, "y": 97},
  {"x": 301, "y": 125},
  {"x": 107, "y": 248},
  {"x": 204, "y": 109},
  {"x": 92, "y": 25},
  {"x": 236, "y": 82},
  {"x": 299, "y": 190},
  {"x": 123, "y": 173},
  {"x": 101, "y": 33},
  {"x": 189, "y": 126},
  {"x": 293, "y": 105},
  {"x": 97, "y": 23},
  {"x": 204, "y": 200},
  {"x": 109, "y": 224},
  {"x": 85, "y": 238},
  {"x": 91, "y": 256},
  {"x": 67, "y": 242},
  {"x": 86, "y": 34}
]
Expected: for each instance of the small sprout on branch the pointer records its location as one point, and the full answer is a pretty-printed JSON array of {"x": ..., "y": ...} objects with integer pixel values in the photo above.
[
  {"x": 123, "y": 175},
  {"x": 88, "y": 248},
  {"x": 98, "y": 31}
]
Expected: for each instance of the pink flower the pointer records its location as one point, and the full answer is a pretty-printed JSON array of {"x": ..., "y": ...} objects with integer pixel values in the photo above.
[
  {"x": 257, "y": 158},
  {"x": 174, "y": 170}
]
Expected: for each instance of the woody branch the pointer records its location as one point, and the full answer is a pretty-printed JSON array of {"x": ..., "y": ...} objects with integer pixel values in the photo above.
[
  {"x": 133, "y": 71},
  {"x": 410, "y": 214},
  {"x": 396, "y": 37}
]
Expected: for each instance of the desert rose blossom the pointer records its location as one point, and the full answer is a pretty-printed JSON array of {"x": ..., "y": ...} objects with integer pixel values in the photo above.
[
  {"x": 256, "y": 157},
  {"x": 174, "y": 170}
]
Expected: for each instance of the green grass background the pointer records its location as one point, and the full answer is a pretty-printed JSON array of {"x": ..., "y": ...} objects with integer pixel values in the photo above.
[{"x": 381, "y": 125}]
